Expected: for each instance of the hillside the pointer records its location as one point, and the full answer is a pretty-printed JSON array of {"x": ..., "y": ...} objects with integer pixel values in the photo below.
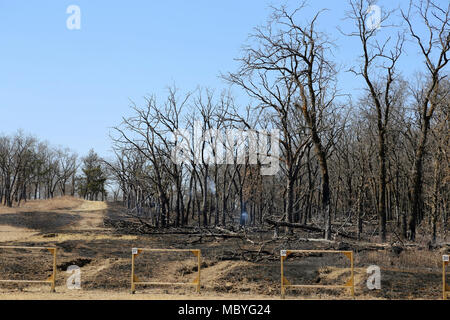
[{"x": 232, "y": 267}]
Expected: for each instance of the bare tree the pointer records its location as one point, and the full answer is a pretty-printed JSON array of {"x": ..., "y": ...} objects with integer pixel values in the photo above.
[
  {"x": 383, "y": 56},
  {"x": 434, "y": 48}
]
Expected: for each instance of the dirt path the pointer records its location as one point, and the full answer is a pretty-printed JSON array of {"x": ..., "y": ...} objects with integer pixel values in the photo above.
[
  {"x": 62, "y": 294},
  {"x": 9, "y": 233},
  {"x": 35, "y": 219},
  {"x": 91, "y": 215}
]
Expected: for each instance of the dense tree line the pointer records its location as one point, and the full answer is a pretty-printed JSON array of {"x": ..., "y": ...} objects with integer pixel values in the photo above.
[
  {"x": 376, "y": 164},
  {"x": 33, "y": 169}
]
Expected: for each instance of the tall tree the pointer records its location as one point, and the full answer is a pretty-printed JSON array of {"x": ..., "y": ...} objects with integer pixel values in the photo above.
[
  {"x": 434, "y": 47},
  {"x": 383, "y": 56}
]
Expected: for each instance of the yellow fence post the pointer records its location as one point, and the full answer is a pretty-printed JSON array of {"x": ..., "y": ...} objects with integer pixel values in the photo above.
[
  {"x": 353, "y": 276},
  {"x": 282, "y": 286},
  {"x": 283, "y": 255},
  {"x": 132, "y": 273},
  {"x": 134, "y": 253},
  {"x": 445, "y": 287},
  {"x": 199, "y": 270},
  {"x": 53, "y": 250}
]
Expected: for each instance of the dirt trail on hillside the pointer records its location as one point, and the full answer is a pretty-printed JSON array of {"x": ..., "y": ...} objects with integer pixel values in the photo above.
[
  {"x": 9, "y": 233},
  {"x": 34, "y": 218},
  {"x": 91, "y": 216}
]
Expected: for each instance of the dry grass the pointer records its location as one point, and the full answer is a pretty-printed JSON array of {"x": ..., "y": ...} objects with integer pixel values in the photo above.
[
  {"x": 59, "y": 203},
  {"x": 410, "y": 259}
]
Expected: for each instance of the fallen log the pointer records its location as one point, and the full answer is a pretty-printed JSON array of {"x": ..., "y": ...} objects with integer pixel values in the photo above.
[
  {"x": 305, "y": 227},
  {"x": 292, "y": 225}
]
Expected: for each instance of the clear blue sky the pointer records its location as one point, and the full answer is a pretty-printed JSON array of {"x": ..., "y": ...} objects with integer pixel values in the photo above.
[{"x": 70, "y": 86}]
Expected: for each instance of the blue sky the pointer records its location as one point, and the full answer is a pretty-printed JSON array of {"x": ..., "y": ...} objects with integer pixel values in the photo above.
[{"x": 70, "y": 86}]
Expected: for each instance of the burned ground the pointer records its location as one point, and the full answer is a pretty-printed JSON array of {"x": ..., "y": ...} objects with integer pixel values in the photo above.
[{"x": 234, "y": 264}]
